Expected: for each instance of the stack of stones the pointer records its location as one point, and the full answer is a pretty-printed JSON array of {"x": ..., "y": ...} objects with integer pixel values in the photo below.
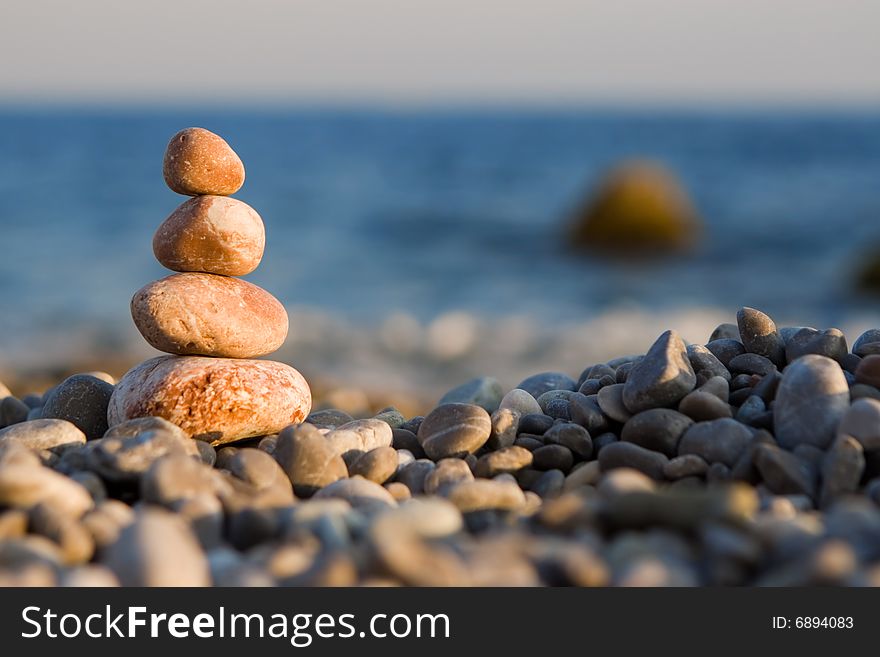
[{"x": 211, "y": 322}]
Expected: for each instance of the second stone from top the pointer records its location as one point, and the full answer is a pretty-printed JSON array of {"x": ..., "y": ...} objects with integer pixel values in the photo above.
[{"x": 213, "y": 234}]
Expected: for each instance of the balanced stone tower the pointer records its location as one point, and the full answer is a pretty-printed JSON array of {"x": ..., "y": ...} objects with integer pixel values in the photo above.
[{"x": 212, "y": 323}]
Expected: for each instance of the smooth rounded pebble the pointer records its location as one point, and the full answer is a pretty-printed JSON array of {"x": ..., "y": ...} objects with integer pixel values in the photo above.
[
  {"x": 759, "y": 335},
  {"x": 198, "y": 162},
  {"x": 309, "y": 461},
  {"x": 82, "y": 400},
  {"x": 537, "y": 384},
  {"x": 716, "y": 441},
  {"x": 662, "y": 377},
  {"x": 454, "y": 430},
  {"x": 573, "y": 436},
  {"x": 377, "y": 465},
  {"x": 657, "y": 429},
  {"x": 484, "y": 392},
  {"x": 700, "y": 406},
  {"x": 810, "y": 402},
  {"x": 213, "y": 234},
  {"x": 630, "y": 455},
  {"x": 219, "y": 400},
  {"x": 359, "y": 492},
  {"x": 157, "y": 549},
  {"x": 861, "y": 421},
  {"x": 23, "y": 486},
  {"x": 521, "y": 401},
  {"x": 610, "y": 400},
  {"x": 506, "y": 459},
  {"x": 43, "y": 434},
  {"x": 481, "y": 494},
  {"x": 124, "y": 458},
  {"x": 361, "y": 435},
  {"x": 209, "y": 315}
]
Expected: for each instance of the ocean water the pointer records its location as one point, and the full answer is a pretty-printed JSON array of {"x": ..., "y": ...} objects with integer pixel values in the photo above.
[{"x": 371, "y": 213}]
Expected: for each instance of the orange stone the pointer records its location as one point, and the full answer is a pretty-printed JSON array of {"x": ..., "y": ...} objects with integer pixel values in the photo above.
[
  {"x": 199, "y": 162},
  {"x": 216, "y": 399},
  {"x": 213, "y": 234},
  {"x": 209, "y": 315}
]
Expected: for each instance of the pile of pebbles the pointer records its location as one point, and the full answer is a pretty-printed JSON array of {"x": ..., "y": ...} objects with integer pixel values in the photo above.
[
  {"x": 212, "y": 323},
  {"x": 751, "y": 460}
]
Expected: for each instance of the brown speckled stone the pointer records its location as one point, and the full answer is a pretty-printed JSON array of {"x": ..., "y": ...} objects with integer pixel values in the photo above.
[
  {"x": 221, "y": 400},
  {"x": 209, "y": 315},
  {"x": 199, "y": 162},
  {"x": 213, "y": 234}
]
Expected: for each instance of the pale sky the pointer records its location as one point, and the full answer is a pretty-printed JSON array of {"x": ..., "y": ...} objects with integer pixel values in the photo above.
[{"x": 402, "y": 52}]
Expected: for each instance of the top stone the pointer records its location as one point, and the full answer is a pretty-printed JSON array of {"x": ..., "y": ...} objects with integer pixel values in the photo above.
[{"x": 199, "y": 162}]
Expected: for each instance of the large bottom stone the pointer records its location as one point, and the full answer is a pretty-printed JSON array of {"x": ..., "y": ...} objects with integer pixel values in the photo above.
[{"x": 215, "y": 399}]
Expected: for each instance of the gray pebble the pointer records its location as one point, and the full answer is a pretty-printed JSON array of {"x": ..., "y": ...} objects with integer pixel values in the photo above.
[
  {"x": 43, "y": 434},
  {"x": 610, "y": 399},
  {"x": 12, "y": 411},
  {"x": 123, "y": 459},
  {"x": 550, "y": 484},
  {"x": 701, "y": 406},
  {"x": 174, "y": 478},
  {"x": 552, "y": 457},
  {"x": 720, "y": 441},
  {"x": 406, "y": 439},
  {"x": 784, "y": 473},
  {"x": 390, "y": 416},
  {"x": 657, "y": 429},
  {"x": 662, "y": 377},
  {"x": 377, "y": 465},
  {"x": 537, "y": 424},
  {"x": 308, "y": 459},
  {"x": 629, "y": 455},
  {"x": 413, "y": 475},
  {"x": 725, "y": 331},
  {"x": 842, "y": 469},
  {"x": 867, "y": 343},
  {"x": 448, "y": 474},
  {"x": 23, "y": 486},
  {"x": 726, "y": 349},
  {"x": 330, "y": 418},
  {"x": 759, "y": 335},
  {"x": 703, "y": 360},
  {"x": 484, "y": 392},
  {"x": 361, "y": 493},
  {"x": 520, "y": 401},
  {"x": 82, "y": 400},
  {"x": 537, "y": 384},
  {"x": 687, "y": 465},
  {"x": 585, "y": 411},
  {"x": 454, "y": 430},
  {"x": 862, "y": 422},
  {"x": 505, "y": 424},
  {"x": 830, "y": 343},
  {"x": 751, "y": 364},
  {"x": 362, "y": 435},
  {"x": 157, "y": 549},
  {"x": 810, "y": 402},
  {"x": 570, "y": 435}
]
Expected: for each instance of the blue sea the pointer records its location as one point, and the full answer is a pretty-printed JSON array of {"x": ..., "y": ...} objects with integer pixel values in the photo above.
[{"x": 426, "y": 212}]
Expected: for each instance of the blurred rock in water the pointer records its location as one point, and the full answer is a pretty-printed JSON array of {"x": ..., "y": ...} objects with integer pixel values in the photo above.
[{"x": 640, "y": 206}]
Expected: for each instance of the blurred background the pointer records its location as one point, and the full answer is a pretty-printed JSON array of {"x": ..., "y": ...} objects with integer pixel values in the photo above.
[{"x": 449, "y": 188}]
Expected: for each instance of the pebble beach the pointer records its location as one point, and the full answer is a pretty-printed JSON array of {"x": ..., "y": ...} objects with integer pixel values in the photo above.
[{"x": 748, "y": 458}]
